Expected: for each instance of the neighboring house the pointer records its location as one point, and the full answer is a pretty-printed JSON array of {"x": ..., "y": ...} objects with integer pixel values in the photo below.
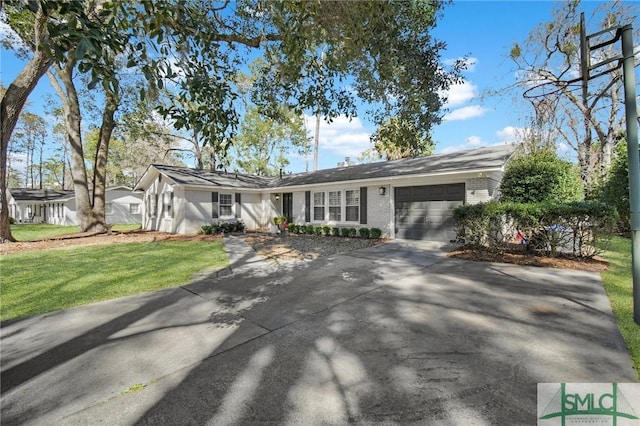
[
  {"x": 58, "y": 207},
  {"x": 408, "y": 198}
]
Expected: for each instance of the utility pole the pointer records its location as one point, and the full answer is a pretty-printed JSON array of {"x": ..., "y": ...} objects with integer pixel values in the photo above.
[{"x": 625, "y": 34}]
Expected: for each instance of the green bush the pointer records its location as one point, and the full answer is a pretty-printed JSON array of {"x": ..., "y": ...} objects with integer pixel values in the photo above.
[
  {"x": 344, "y": 232},
  {"x": 326, "y": 229},
  {"x": 539, "y": 177},
  {"x": 376, "y": 233},
  {"x": 351, "y": 232},
  {"x": 223, "y": 227},
  {"x": 335, "y": 232},
  {"x": 364, "y": 232},
  {"x": 293, "y": 228},
  {"x": 309, "y": 229},
  {"x": 577, "y": 227},
  {"x": 12, "y": 220},
  {"x": 317, "y": 230},
  {"x": 615, "y": 190}
]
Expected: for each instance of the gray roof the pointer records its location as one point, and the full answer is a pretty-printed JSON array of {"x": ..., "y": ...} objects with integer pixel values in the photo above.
[
  {"x": 461, "y": 161},
  {"x": 198, "y": 177},
  {"x": 476, "y": 159},
  {"x": 28, "y": 194}
]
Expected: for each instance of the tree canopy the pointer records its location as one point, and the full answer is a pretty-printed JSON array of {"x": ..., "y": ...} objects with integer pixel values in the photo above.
[{"x": 381, "y": 53}]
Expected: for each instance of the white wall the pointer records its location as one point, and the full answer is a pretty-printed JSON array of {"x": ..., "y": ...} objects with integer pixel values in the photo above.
[{"x": 119, "y": 203}]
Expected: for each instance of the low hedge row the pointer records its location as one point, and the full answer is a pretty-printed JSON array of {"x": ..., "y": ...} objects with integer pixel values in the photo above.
[
  {"x": 576, "y": 227},
  {"x": 223, "y": 227},
  {"x": 374, "y": 233}
]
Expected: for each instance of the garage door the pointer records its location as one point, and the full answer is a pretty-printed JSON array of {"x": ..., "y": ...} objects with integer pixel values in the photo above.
[{"x": 426, "y": 212}]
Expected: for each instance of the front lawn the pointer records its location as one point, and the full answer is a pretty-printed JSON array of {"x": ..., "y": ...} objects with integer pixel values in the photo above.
[
  {"x": 40, "y": 231},
  {"x": 617, "y": 282},
  {"x": 43, "y": 281}
]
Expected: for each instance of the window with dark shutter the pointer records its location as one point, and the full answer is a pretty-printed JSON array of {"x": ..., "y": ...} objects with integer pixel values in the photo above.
[
  {"x": 214, "y": 205},
  {"x": 363, "y": 205},
  {"x": 307, "y": 206},
  {"x": 238, "y": 205}
]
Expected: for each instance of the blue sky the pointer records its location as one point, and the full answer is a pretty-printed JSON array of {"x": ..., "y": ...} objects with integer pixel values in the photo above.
[{"x": 482, "y": 30}]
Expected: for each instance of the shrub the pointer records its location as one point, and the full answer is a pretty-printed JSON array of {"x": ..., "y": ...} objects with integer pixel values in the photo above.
[
  {"x": 293, "y": 228},
  {"x": 326, "y": 229},
  {"x": 279, "y": 220},
  {"x": 344, "y": 232},
  {"x": 309, "y": 229},
  {"x": 577, "y": 226},
  {"x": 376, "y": 233},
  {"x": 335, "y": 232},
  {"x": 615, "y": 190},
  {"x": 540, "y": 176},
  {"x": 364, "y": 232},
  {"x": 351, "y": 232},
  {"x": 317, "y": 230},
  {"x": 12, "y": 220}
]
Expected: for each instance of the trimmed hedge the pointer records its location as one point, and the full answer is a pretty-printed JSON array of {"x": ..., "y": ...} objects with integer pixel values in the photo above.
[
  {"x": 577, "y": 227},
  {"x": 296, "y": 228},
  {"x": 223, "y": 227}
]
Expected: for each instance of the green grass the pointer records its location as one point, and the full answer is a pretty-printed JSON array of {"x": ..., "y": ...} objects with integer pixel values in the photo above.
[
  {"x": 40, "y": 231},
  {"x": 617, "y": 283},
  {"x": 43, "y": 281}
]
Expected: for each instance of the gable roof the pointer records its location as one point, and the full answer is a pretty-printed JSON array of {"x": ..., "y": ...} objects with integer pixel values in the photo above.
[
  {"x": 480, "y": 159},
  {"x": 197, "y": 177}
]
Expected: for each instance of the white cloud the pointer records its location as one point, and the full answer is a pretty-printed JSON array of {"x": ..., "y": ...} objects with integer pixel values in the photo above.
[
  {"x": 465, "y": 113},
  {"x": 510, "y": 134},
  {"x": 461, "y": 93},
  {"x": 342, "y": 137}
]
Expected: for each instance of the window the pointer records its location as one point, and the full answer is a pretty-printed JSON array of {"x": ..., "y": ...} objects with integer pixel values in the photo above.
[
  {"x": 226, "y": 205},
  {"x": 153, "y": 205},
  {"x": 335, "y": 205},
  {"x": 352, "y": 212},
  {"x": 134, "y": 208},
  {"x": 318, "y": 206},
  {"x": 167, "y": 204}
]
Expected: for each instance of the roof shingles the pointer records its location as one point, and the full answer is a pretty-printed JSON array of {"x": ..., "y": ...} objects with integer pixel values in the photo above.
[{"x": 462, "y": 161}]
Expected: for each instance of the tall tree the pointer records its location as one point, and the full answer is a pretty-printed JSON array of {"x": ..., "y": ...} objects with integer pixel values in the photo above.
[
  {"x": 587, "y": 121},
  {"x": 46, "y": 31},
  {"x": 263, "y": 144},
  {"x": 396, "y": 139},
  {"x": 195, "y": 48}
]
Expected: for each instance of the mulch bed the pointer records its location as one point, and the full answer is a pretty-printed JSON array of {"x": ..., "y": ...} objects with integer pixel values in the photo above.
[
  {"x": 294, "y": 247},
  {"x": 595, "y": 264}
]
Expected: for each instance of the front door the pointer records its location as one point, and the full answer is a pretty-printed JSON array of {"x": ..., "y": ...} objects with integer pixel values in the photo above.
[{"x": 287, "y": 206}]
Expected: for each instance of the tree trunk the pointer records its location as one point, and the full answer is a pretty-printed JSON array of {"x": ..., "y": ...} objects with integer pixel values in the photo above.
[
  {"x": 11, "y": 105},
  {"x": 112, "y": 101},
  {"x": 71, "y": 106}
]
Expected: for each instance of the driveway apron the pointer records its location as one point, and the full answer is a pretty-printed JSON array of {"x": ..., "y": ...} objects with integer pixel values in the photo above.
[{"x": 395, "y": 333}]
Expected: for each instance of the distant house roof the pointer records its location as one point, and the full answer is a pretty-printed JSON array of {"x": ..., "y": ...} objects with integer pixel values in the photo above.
[
  {"x": 28, "y": 194},
  {"x": 480, "y": 159}
]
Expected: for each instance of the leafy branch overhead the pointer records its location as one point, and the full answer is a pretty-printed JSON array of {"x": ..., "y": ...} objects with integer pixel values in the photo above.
[{"x": 378, "y": 52}]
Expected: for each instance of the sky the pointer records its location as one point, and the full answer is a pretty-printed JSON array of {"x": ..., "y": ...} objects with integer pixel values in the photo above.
[{"x": 484, "y": 31}]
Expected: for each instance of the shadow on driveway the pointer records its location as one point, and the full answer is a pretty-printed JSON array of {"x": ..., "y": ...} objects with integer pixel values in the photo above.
[{"x": 392, "y": 333}]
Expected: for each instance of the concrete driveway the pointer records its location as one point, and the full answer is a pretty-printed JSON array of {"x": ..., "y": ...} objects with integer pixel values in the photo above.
[{"x": 396, "y": 333}]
